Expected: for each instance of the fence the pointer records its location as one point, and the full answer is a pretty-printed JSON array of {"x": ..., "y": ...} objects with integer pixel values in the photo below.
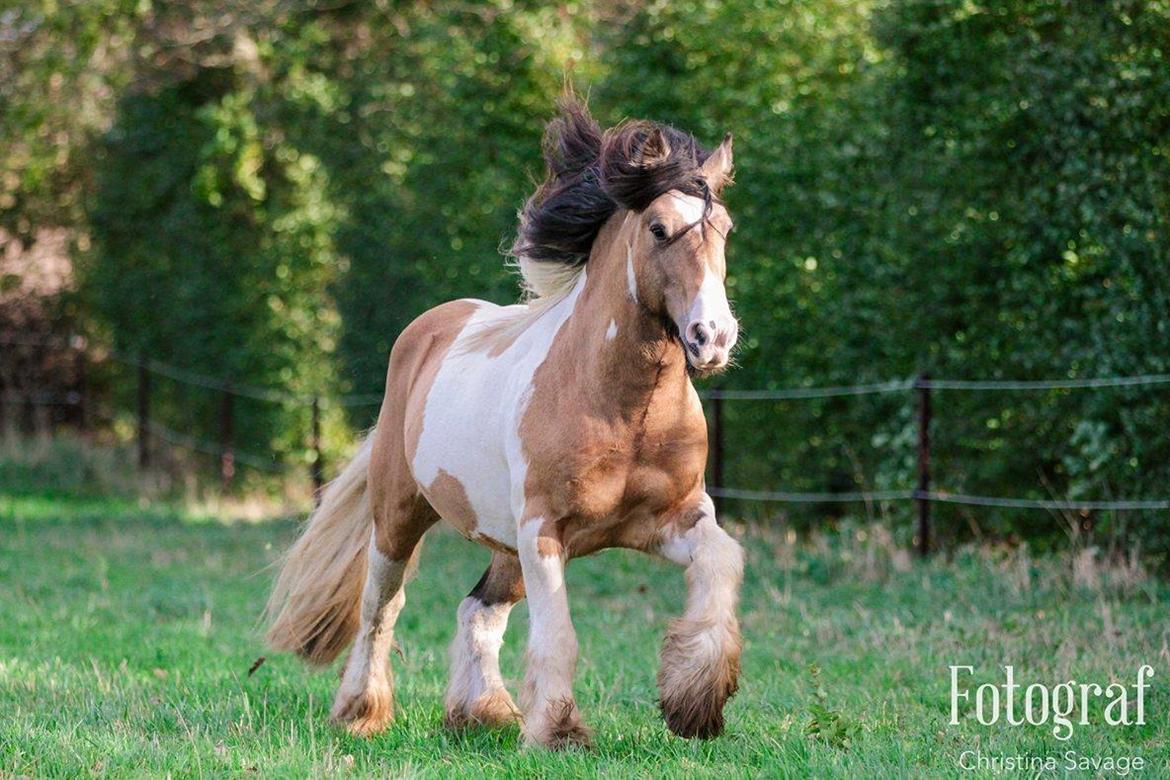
[
  {"x": 923, "y": 386},
  {"x": 922, "y": 494},
  {"x": 148, "y": 430}
]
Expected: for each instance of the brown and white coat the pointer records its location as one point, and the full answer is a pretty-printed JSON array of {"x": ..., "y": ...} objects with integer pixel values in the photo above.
[{"x": 545, "y": 431}]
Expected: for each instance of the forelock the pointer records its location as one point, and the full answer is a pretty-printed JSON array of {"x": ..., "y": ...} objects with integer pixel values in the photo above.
[{"x": 591, "y": 174}]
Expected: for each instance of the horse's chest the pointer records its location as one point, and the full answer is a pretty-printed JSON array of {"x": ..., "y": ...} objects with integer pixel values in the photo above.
[{"x": 595, "y": 471}]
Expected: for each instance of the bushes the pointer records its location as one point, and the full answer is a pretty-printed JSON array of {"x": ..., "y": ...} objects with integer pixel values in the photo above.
[{"x": 969, "y": 190}]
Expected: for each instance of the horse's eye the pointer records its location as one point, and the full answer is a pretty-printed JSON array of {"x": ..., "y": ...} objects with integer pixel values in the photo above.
[{"x": 658, "y": 231}]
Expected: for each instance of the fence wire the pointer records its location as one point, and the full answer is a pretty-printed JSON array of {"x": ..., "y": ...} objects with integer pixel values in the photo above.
[
  {"x": 800, "y": 393},
  {"x": 173, "y": 437},
  {"x": 1044, "y": 384},
  {"x": 155, "y": 430},
  {"x": 277, "y": 395},
  {"x": 1120, "y": 505},
  {"x": 810, "y": 498},
  {"x": 901, "y": 385},
  {"x": 937, "y": 496}
]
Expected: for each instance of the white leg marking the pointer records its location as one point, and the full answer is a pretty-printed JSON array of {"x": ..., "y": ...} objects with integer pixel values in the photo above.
[
  {"x": 367, "y": 672},
  {"x": 700, "y": 657},
  {"x": 550, "y": 713},
  {"x": 611, "y": 331},
  {"x": 714, "y": 563},
  {"x": 475, "y": 662}
]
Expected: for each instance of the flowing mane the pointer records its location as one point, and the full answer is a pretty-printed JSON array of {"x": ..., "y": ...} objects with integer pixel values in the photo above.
[{"x": 590, "y": 174}]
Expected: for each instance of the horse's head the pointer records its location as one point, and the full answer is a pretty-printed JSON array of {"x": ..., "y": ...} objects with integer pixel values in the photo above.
[
  {"x": 672, "y": 238},
  {"x": 676, "y": 266}
]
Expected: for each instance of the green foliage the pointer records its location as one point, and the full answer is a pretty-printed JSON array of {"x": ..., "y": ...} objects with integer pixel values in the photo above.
[
  {"x": 825, "y": 723},
  {"x": 974, "y": 190},
  {"x": 1031, "y": 148},
  {"x": 60, "y": 65},
  {"x": 214, "y": 251},
  {"x": 65, "y": 466},
  {"x": 968, "y": 190}
]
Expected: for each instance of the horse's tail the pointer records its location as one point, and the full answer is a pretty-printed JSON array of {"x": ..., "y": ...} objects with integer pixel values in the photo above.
[{"x": 314, "y": 609}]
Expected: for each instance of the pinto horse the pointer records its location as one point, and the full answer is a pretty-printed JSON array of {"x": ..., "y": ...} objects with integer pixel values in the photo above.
[{"x": 546, "y": 431}]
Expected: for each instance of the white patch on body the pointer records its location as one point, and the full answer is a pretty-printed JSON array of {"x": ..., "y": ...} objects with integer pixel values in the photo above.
[
  {"x": 473, "y": 411},
  {"x": 611, "y": 331}
]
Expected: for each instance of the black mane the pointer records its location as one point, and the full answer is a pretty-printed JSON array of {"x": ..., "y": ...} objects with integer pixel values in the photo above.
[{"x": 591, "y": 174}]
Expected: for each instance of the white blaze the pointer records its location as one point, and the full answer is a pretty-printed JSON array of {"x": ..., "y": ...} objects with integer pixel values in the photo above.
[{"x": 710, "y": 304}]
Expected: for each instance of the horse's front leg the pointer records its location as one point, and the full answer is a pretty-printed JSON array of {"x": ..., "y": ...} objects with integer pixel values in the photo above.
[
  {"x": 699, "y": 664},
  {"x": 551, "y": 718}
]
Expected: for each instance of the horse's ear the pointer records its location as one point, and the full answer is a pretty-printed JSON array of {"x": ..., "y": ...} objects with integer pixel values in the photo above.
[
  {"x": 717, "y": 168},
  {"x": 654, "y": 149}
]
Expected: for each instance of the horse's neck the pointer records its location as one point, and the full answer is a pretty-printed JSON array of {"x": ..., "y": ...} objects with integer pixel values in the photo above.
[{"x": 627, "y": 357}]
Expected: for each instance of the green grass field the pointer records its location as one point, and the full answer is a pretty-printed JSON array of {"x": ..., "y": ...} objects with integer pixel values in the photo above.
[{"x": 128, "y": 632}]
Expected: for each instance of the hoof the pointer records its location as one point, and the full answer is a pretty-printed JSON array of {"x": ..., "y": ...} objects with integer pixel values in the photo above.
[
  {"x": 557, "y": 728},
  {"x": 493, "y": 709},
  {"x": 699, "y": 672},
  {"x": 364, "y": 714}
]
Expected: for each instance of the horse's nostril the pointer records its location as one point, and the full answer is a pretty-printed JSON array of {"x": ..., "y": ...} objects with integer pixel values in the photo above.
[{"x": 697, "y": 333}]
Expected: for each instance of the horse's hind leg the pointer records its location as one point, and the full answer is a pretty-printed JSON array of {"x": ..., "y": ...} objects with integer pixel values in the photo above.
[
  {"x": 365, "y": 699},
  {"x": 475, "y": 692}
]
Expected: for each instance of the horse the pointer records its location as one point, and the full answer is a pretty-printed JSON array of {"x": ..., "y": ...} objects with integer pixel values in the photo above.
[{"x": 547, "y": 430}]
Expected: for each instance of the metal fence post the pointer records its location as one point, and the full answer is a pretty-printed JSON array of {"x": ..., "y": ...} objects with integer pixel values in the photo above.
[
  {"x": 143, "y": 414},
  {"x": 227, "y": 457},
  {"x": 317, "y": 469},
  {"x": 80, "y": 383},
  {"x": 924, "y": 412}
]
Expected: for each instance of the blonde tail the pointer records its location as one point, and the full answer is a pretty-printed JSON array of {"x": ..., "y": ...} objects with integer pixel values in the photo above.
[{"x": 315, "y": 606}]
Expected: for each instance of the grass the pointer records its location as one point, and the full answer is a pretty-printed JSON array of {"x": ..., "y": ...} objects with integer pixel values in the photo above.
[{"x": 128, "y": 631}]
